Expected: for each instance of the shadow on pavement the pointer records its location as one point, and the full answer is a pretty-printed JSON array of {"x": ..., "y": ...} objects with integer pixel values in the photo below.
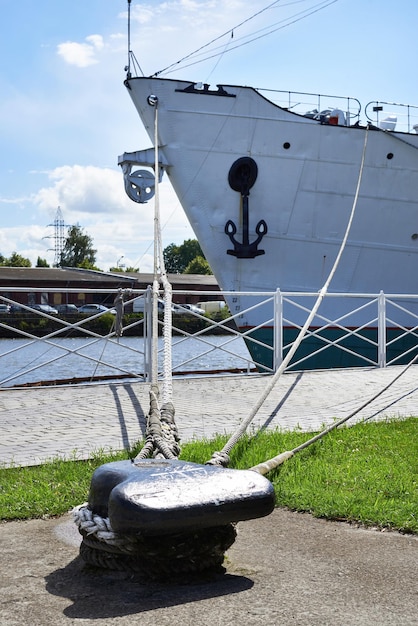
[{"x": 98, "y": 594}]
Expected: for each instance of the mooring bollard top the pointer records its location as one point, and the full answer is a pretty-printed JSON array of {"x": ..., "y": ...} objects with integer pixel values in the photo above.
[{"x": 156, "y": 496}]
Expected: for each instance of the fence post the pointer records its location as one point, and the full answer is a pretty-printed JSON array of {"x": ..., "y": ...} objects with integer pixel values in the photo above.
[
  {"x": 148, "y": 334},
  {"x": 381, "y": 330},
  {"x": 277, "y": 330}
]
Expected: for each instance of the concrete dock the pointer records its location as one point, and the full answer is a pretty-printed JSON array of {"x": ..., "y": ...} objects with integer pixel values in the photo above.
[{"x": 41, "y": 423}]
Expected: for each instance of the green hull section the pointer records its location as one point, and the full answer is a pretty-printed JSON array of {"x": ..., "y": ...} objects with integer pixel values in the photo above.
[{"x": 316, "y": 351}]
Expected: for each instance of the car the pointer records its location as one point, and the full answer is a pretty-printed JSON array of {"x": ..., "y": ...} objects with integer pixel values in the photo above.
[
  {"x": 93, "y": 309},
  {"x": 44, "y": 308},
  {"x": 188, "y": 308},
  {"x": 67, "y": 309},
  {"x": 4, "y": 308},
  {"x": 139, "y": 305},
  {"x": 15, "y": 308}
]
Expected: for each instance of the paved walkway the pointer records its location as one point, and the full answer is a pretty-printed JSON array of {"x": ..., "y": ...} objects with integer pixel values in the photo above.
[{"x": 41, "y": 423}]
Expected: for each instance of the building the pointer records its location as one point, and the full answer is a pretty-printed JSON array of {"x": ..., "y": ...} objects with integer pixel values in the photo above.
[{"x": 55, "y": 286}]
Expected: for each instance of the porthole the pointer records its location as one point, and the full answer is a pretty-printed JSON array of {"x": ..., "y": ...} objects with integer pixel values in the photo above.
[
  {"x": 414, "y": 236},
  {"x": 286, "y": 145},
  {"x": 389, "y": 155}
]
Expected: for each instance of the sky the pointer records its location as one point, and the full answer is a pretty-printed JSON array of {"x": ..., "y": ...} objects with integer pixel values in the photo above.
[{"x": 65, "y": 115}]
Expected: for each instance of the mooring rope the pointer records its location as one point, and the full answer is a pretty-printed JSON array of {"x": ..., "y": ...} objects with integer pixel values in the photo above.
[
  {"x": 222, "y": 457},
  {"x": 155, "y": 557},
  {"x": 161, "y": 274},
  {"x": 162, "y": 438},
  {"x": 101, "y": 545},
  {"x": 267, "y": 466}
]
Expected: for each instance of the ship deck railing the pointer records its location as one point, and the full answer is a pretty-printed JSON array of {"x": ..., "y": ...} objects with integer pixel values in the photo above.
[
  {"x": 370, "y": 330},
  {"x": 379, "y": 113}
]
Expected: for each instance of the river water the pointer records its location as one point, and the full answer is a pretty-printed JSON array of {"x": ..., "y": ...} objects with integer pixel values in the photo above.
[{"x": 24, "y": 361}]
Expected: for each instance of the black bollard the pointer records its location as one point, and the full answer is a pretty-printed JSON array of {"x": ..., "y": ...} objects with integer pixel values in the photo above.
[
  {"x": 171, "y": 518},
  {"x": 158, "y": 496}
]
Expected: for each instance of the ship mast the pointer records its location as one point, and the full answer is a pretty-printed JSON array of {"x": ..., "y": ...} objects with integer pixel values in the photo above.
[
  {"x": 128, "y": 67},
  {"x": 131, "y": 57}
]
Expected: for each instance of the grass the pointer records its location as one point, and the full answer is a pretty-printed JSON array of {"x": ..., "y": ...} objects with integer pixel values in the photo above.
[{"x": 367, "y": 474}]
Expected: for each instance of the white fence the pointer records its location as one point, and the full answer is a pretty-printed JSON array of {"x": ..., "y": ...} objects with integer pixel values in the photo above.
[{"x": 370, "y": 330}]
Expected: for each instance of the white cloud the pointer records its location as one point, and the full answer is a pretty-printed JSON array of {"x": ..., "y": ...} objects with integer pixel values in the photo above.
[
  {"x": 30, "y": 242},
  {"x": 84, "y": 190},
  {"x": 81, "y": 54},
  {"x": 95, "y": 199}
]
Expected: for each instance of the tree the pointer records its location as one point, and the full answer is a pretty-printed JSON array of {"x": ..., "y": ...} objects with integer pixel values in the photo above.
[
  {"x": 198, "y": 265},
  {"x": 78, "y": 249},
  {"x": 16, "y": 260},
  {"x": 177, "y": 258},
  {"x": 41, "y": 262},
  {"x": 123, "y": 270}
]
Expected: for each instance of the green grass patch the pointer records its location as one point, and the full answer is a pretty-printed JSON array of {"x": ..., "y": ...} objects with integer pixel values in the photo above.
[{"x": 367, "y": 473}]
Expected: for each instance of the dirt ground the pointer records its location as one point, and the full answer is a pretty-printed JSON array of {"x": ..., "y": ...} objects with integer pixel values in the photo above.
[{"x": 284, "y": 569}]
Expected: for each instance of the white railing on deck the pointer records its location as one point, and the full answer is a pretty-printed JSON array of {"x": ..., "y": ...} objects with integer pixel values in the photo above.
[
  {"x": 319, "y": 105},
  {"x": 406, "y": 115},
  {"x": 26, "y": 357},
  {"x": 305, "y": 103}
]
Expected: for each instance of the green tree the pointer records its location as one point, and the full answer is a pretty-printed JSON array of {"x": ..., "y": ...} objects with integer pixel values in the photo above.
[
  {"x": 78, "y": 249},
  {"x": 122, "y": 270},
  {"x": 41, "y": 262},
  {"x": 177, "y": 258},
  {"x": 17, "y": 260},
  {"x": 198, "y": 265}
]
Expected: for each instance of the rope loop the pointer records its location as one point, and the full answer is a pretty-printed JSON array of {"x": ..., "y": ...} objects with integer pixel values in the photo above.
[
  {"x": 220, "y": 458},
  {"x": 93, "y": 525},
  {"x": 162, "y": 438}
]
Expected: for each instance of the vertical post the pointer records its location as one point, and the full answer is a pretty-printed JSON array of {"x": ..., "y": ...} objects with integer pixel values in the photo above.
[
  {"x": 277, "y": 330},
  {"x": 148, "y": 334},
  {"x": 381, "y": 330}
]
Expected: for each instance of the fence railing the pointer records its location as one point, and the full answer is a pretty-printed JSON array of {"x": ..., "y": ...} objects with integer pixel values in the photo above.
[{"x": 369, "y": 330}]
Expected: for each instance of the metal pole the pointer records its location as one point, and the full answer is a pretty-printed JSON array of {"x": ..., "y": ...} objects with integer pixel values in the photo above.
[
  {"x": 381, "y": 330},
  {"x": 148, "y": 334},
  {"x": 277, "y": 330}
]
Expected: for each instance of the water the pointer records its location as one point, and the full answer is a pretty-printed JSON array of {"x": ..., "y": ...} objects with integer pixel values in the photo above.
[{"x": 24, "y": 361}]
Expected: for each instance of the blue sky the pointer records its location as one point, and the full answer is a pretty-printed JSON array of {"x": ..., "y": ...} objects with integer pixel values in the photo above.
[{"x": 65, "y": 115}]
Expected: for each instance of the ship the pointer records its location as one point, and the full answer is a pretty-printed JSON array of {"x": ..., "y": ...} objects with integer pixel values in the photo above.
[{"x": 268, "y": 189}]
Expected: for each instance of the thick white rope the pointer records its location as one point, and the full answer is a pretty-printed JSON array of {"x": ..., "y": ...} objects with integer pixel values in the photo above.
[
  {"x": 101, "y": 529},
  {"x": 155, "y": 283},
  {"x": 159, "y": 267},
  {"x": 218, "y": 458},
  {"x": 267, "y": 466}
]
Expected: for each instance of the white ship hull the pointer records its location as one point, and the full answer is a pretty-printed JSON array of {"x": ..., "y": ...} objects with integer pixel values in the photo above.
[{"x": 300, "y": 201}]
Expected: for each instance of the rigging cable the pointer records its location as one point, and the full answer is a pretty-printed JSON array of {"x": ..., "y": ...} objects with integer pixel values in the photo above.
[
  {"x": 206, "y": 45},
  {"x": 296, "y": 18},
  {"x": 222, "y": 457}
]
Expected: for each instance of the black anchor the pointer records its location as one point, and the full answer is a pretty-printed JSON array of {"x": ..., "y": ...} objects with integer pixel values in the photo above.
[{"x": 241, "y": 177}]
